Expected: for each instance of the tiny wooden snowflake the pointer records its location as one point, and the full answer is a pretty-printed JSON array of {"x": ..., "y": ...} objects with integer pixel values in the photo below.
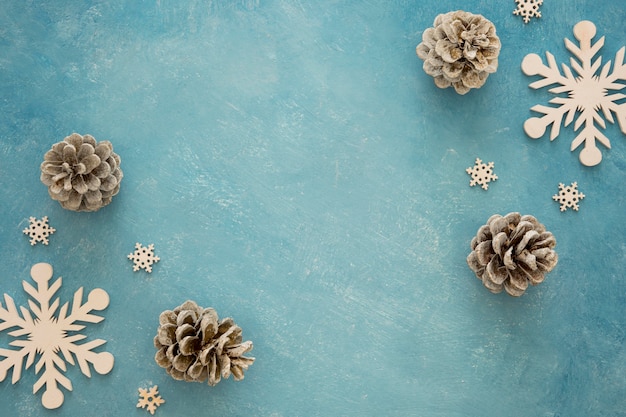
[
  {"x": 143, "y": 257},
  {"x": 38, "y": 230},
  {"x": 528, "y": 9},
  {"x": 481, "y": 174},
  {"x": 150, "y": 399},
  {"x": 568, "y": 196}
]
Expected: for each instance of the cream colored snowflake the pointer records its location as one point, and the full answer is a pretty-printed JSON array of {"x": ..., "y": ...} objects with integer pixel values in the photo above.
[
  {"x": 587, "y": 93},
  {"x": 481, "y": 174},
  {"x": 528, "y": 9},
  {"x": 568, "y": 196},
  {"x": 46, "y": 335},
  {"x": 143, "y": 257},
  {"x": 38, "y": 230},
  {"x": 150, "y": 399}
]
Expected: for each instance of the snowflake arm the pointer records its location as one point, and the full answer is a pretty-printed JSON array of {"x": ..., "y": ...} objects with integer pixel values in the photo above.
[
  {"x": 96, "y": 300},
  {"x": 10, "y": 318},
  {"x": 51, "y": 378},
  {"x": 533, "y": 65},
  {"x": 584, "y": 32},
  {"x": 43, "y": 294},
  {"x": 608, "y": 104}
]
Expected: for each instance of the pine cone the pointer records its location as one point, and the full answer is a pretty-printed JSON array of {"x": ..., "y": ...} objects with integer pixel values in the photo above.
[
  {"x": 82, "y": 174},
  {"x": 194, "y": 346},
  {"x": 461, "y": 50},
  {"x": 512, "y": 251}
]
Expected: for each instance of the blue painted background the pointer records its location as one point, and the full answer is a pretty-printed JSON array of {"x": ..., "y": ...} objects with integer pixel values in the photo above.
[{"x": 298, "y": 171}]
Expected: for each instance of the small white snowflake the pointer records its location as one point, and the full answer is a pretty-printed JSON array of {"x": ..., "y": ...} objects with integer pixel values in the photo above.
[
  {"x": 38, "y": 230},
  {"x": 593, "y": 93},
  {"x": 150, "y": 399},
  {"x": 568, "y": 196},
  {"x": 143, "y": 257},
  {"x": 481, "y": 174},
  {"x": 528, "y": 9},
  {"x": 52, "y": 338}
]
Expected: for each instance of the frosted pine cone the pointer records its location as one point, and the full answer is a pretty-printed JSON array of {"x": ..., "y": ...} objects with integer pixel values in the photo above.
[
  {"x": 194, "y": 346},
  {"x": 82, "y": 174},
  {"x": 461, "y": 50},
  {"x": 511, "y": 251}
]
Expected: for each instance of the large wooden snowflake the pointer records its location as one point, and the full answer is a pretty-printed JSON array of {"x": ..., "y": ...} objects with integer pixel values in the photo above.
[
  {"x": 593, "y": 93},
  {"x": 52, "y": 338}
]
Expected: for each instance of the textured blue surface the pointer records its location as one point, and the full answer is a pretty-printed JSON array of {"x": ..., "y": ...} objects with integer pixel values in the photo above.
[{"x": 298, "y": 171}]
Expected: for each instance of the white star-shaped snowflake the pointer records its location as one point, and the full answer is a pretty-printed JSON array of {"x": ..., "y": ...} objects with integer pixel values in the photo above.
[
  {"x": 52, "y": 338},
  {"x": 481, "y": 174},
  {"x": 38, "y": 230},
  {"x": 528, "y": 9},
  {"x": 143, "y": 257},
  {"x": 150, "y": 399},
  {"x": 568, "y": 196},
  {"x": 593, "y": 93}
]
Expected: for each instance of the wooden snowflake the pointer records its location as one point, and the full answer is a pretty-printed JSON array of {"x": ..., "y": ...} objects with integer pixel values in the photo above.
[
  {"x": 568, "y": 196},
  {"x": 143, "y": 257},
  {"x": 587, "y": 93},
  {"x": 50, "y": 333},
  {"x": 481, "y": 173},
  {"x": 38, "y": 230},
  {"x": 150, "y": 399},
  {"x": 528, "y": 9}
]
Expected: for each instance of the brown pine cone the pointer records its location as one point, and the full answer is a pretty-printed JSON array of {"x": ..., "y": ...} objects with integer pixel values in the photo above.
[
  {"x": 461, "y": 50},
  {"x": 193, "y": 345},
  {"x": 82, "y": 174},
  {"x": 512, "y": 251}
]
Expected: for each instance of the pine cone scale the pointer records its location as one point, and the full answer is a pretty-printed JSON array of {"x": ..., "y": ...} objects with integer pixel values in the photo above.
[
  {"x": 85, "y": 150},
  {"x": 484, "y": 252},
  {"x": 500, "y": 244},
  {"x": 448, "y": 51},
  {"x": 104, "y": 150},
  {"x": 224, "y": 362},
  {"x": 496, "y": 273},
  {"x": 74, "y": 200},
  {"x": 88, "y": 164},
  {"x": 207, "y": 354},
  {"x": 208, "y": 325},
  {"x": 508, "y": 260},
  {"x": 238, "y": 350},
  {"x": 166, "y": 317},
  {"x": 167, "y": 334},
  {"x": 102, "y": 171},
  {"x": 181, "y": 362},
  {"x": 188, "y": 345},
  {"x": 69, "y": 155},
  {"x": 79, "y": 185}
]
